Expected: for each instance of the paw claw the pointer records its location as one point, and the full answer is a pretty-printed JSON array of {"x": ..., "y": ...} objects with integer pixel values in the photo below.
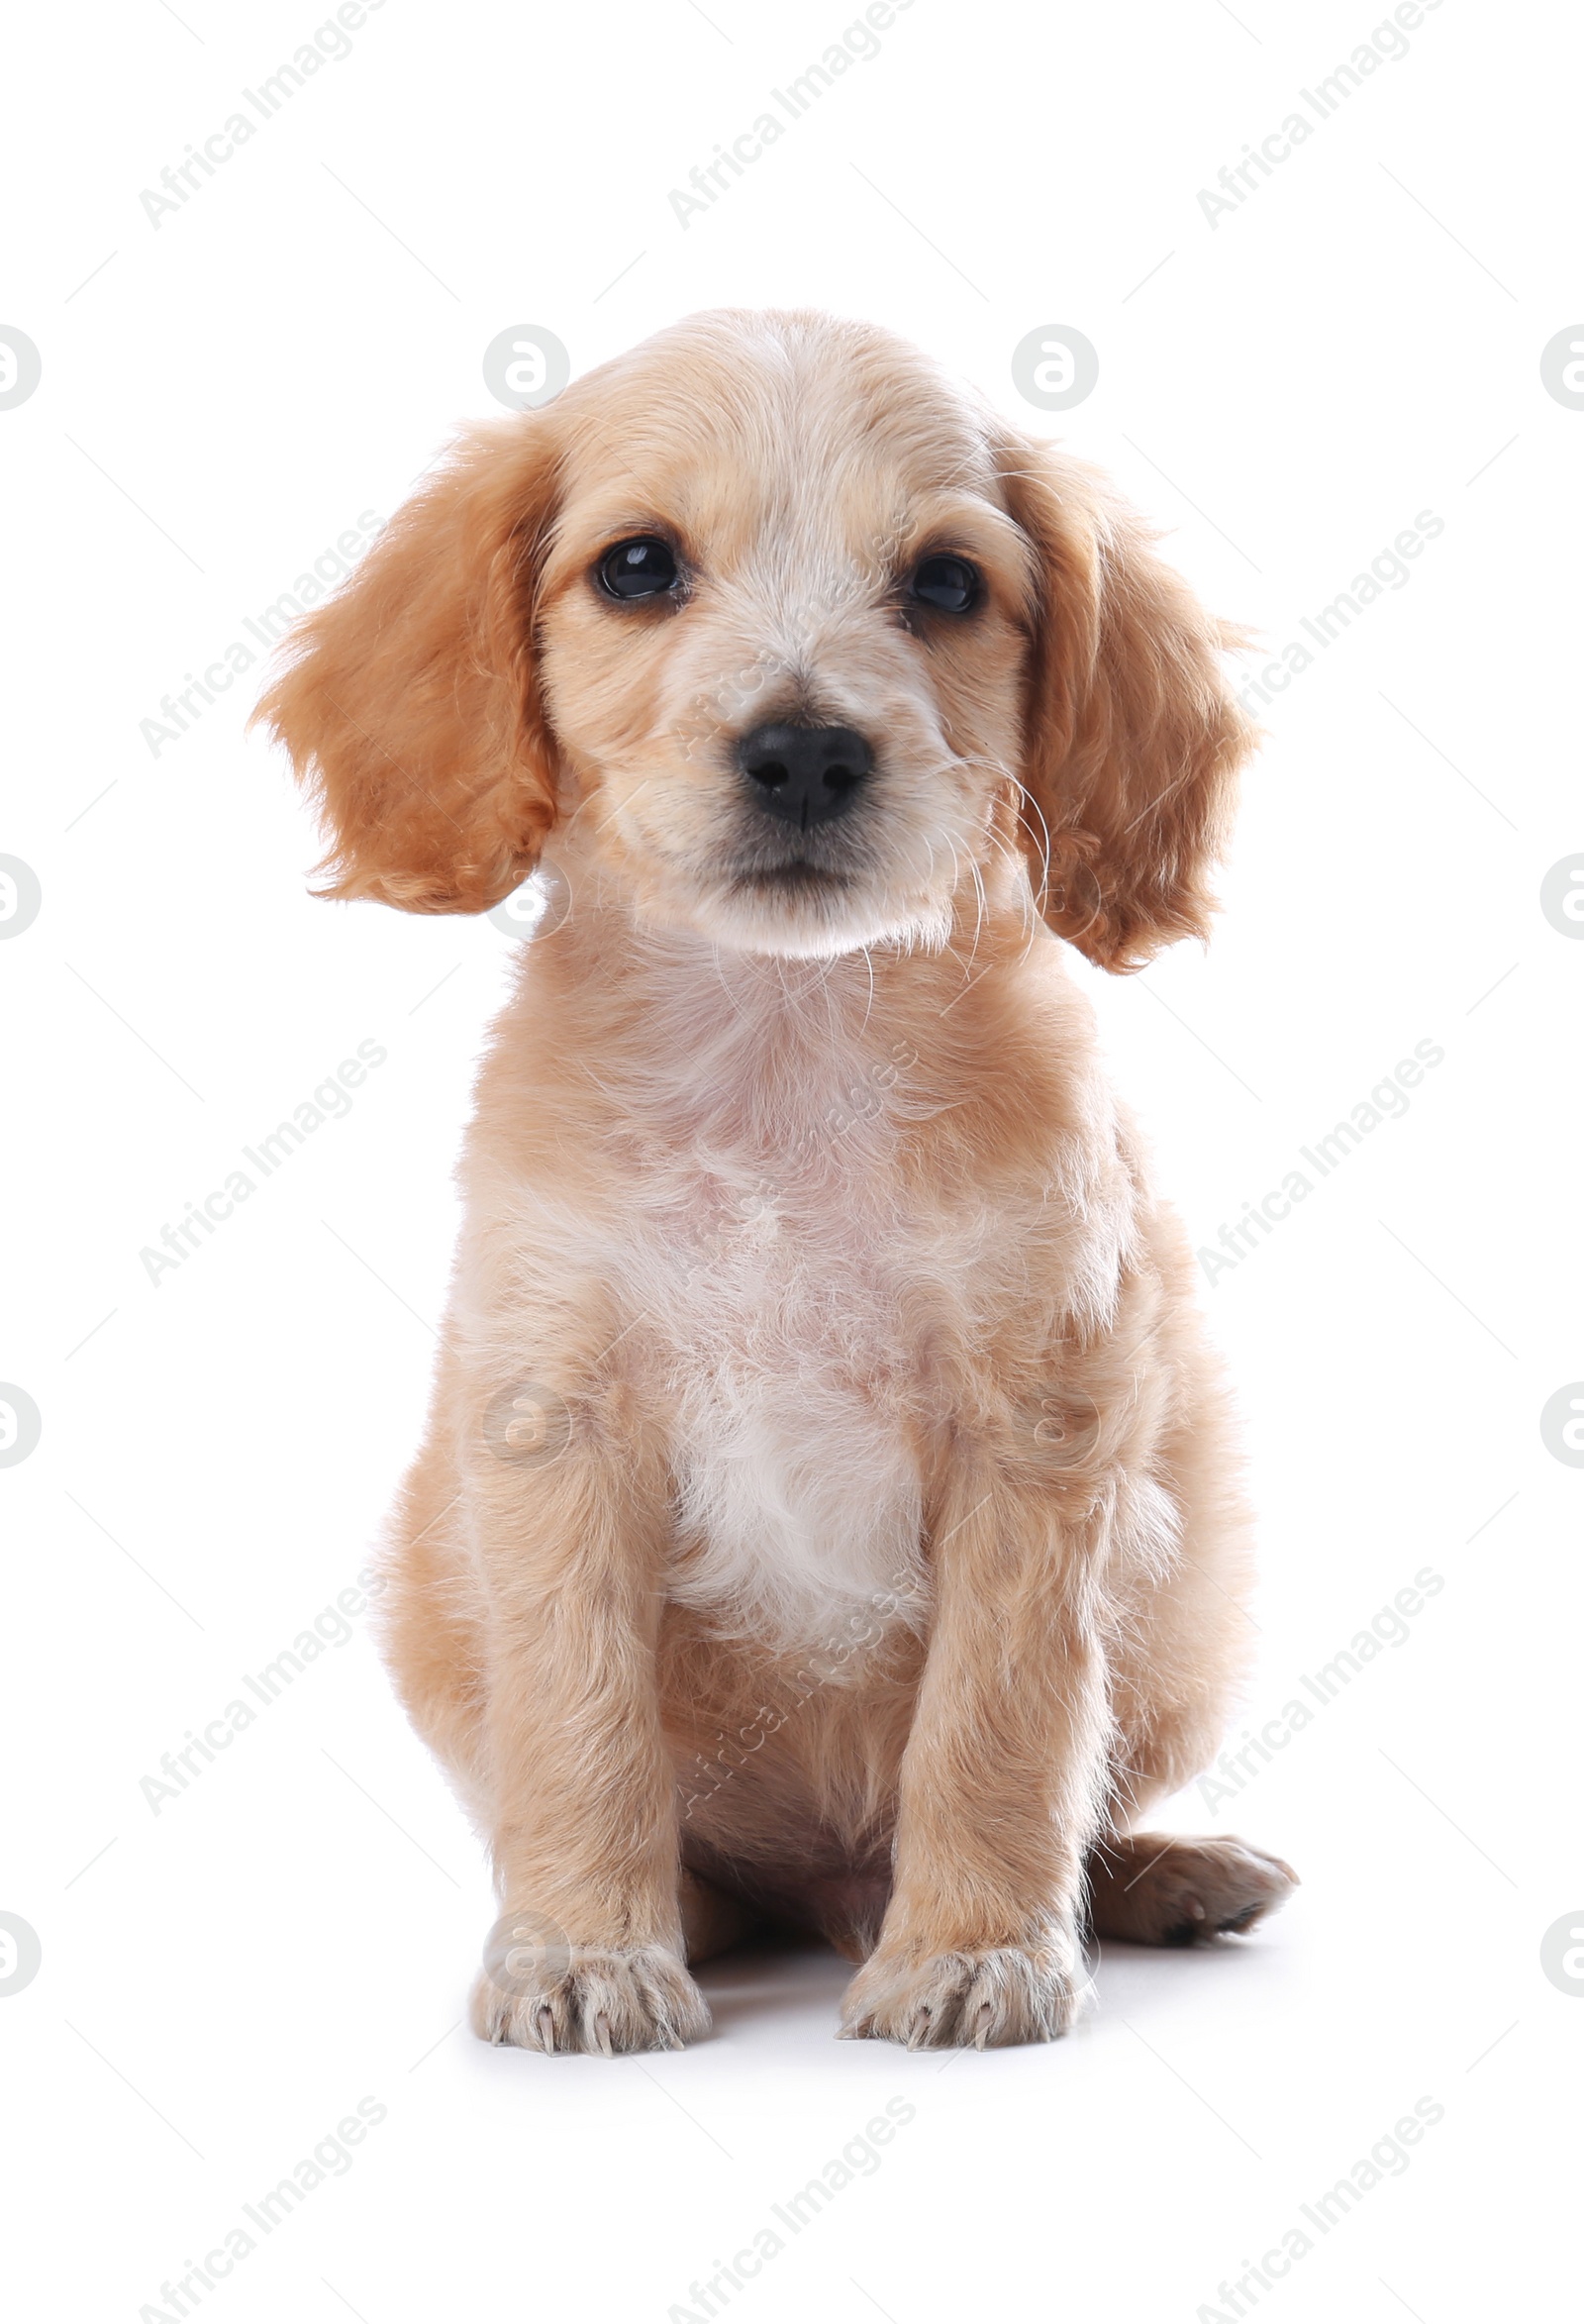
[
  {"x": 1187, "y": 1891},
  {"x": 606, "y": 2001},
  {"x": 979, "y": 1999}
]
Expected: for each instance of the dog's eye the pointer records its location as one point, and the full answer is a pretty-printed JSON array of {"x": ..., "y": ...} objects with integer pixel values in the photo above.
[
  {"x": 637, "y": 568},
  {"x": 949, "y": 583}
]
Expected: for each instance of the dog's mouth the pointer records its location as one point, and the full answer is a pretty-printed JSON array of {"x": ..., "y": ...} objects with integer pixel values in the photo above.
[
  {"x": 778, "y": 859},
  {"x": 784, "y": 898},
  {"x": 797, "y": 877}
]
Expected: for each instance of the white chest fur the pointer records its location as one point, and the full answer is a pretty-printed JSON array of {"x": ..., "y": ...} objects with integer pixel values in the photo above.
[
  {"x": 799, "y": 1495},
  {"x": 771, "y": 1253}
]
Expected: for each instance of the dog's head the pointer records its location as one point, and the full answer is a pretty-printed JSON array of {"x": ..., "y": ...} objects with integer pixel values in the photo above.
[{"x": 793, "y": 639}]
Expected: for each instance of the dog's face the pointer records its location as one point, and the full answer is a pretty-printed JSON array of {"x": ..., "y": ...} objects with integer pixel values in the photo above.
[
  {"x": 790, "y": 637},
  {"x": 782, "y": 638}
]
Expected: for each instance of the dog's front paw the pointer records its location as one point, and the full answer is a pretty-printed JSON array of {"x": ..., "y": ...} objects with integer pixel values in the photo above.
[
  {"x": 979, "y": 1999},
  {"x": 603, "y": 2000}
]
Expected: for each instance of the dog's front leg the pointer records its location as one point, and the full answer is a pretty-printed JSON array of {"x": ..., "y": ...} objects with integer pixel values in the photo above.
[
  {"x": 587, "y": 1954},
  {"x": 1001, "y": 1784}
]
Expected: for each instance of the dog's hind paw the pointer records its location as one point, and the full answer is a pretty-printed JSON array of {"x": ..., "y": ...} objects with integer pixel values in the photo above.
[
  {"x": 980, "y": 1999},
  {"x": 605, "y": 2001},
  {"x": 1155, "y": 1888}
]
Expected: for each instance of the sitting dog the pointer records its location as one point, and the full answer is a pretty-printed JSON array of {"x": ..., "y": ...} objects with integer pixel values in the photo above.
[{"x": 828, "y": 1513}]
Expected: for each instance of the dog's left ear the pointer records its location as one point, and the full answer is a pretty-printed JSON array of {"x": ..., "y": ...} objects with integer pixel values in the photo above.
[{"x": 1131, "y": 741}]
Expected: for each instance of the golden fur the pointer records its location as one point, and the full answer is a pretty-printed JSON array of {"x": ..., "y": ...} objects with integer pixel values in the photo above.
[{"x": 827, "y": 1512}]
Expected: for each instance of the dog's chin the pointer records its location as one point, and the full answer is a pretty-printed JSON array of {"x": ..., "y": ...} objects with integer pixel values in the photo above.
[{"x": 800, "y": 911}]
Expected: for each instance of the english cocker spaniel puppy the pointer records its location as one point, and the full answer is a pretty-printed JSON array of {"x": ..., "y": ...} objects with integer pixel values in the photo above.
[{"x": 828, "y": 1513}]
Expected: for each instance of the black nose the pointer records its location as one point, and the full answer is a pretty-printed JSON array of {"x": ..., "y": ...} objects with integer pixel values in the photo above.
[{"x": 805, "y": 773}]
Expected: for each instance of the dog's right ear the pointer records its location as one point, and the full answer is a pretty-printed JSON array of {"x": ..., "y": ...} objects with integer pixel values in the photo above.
[{"x": 409, "y": 702}]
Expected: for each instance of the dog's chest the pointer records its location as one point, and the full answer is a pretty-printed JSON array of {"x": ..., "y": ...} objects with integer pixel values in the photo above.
[{"x": 788, "y": 1299}]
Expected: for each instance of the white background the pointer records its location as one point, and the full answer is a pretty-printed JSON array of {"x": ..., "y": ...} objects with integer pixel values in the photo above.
[{"x": 222, "y": 396}]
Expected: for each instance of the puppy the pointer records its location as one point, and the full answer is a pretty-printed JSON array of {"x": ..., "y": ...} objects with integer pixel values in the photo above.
[{"x": 828, "y": 1513}]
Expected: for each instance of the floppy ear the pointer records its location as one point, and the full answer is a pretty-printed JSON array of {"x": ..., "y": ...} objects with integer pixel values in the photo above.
[
  {"x": 408, "y": 702},
  {"x": 1131, "y": 740}
]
